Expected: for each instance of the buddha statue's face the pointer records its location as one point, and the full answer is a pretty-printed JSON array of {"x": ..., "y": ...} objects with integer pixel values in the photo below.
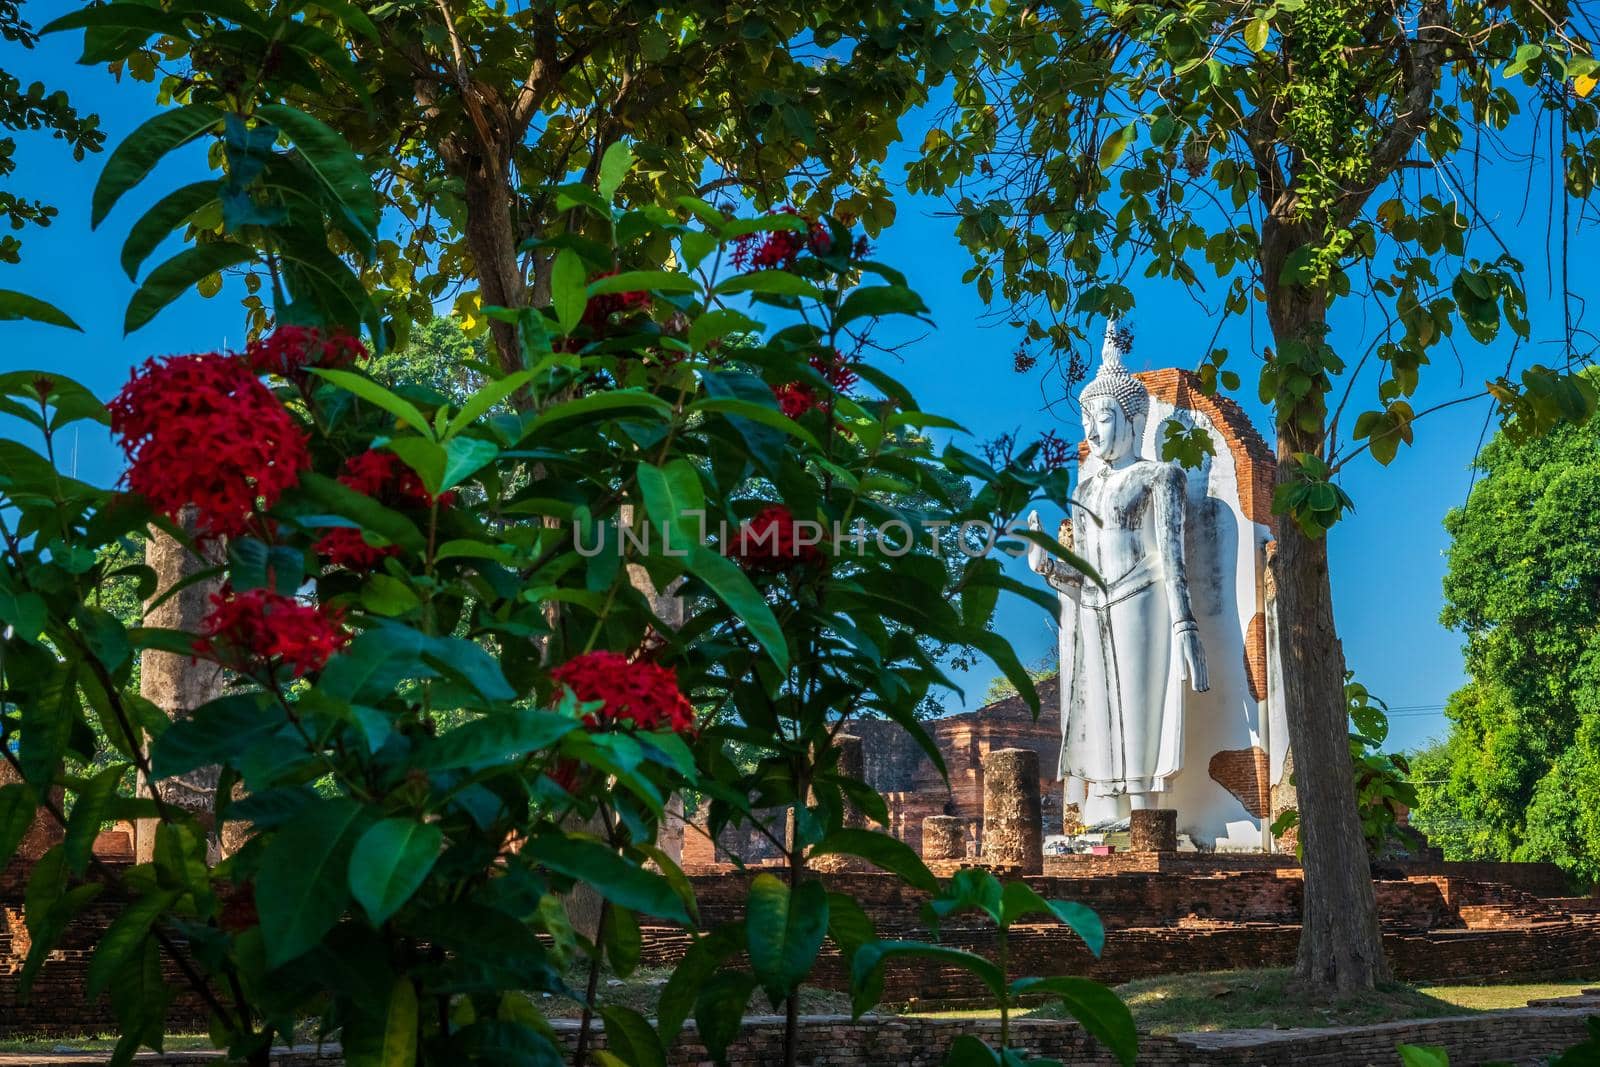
[{"x": 1109, "y": 431}]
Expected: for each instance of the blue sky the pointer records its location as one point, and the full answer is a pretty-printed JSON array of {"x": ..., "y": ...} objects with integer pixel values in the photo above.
[{"x": 1387, "y": 558}]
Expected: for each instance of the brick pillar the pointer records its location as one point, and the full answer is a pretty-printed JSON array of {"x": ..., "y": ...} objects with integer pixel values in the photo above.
[
  {"x": 1153, "y": 830},
  {"x": 44, "y": 833},
  {"x": 1013, "y": 824},
  {"x": 670, "y": 838},
  {"x": 944, "y": 837},
  {"x": 698, "y": 850},
  {"x": 852, "y": 764}
]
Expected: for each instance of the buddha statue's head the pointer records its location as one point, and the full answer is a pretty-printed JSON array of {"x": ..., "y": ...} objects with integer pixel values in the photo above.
[{"x": 1114, "y": 403}]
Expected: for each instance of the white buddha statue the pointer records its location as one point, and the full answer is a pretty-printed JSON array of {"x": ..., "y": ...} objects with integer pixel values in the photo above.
[{"x": 1130, "y": 648}]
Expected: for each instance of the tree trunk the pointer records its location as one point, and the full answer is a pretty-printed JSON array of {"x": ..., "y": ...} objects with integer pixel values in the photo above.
[
  {"x": 492, "y": 237},
  {"x": 1341, "y": 945},
  {"x": 175, "y": 683}
]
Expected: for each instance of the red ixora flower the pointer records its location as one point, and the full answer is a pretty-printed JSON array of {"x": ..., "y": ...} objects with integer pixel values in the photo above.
[
  {"x": 259, "y": 628},
  {"x": 770, "y": 542},
  {"x": 597, "y": 313},
  {"x": 203, "y": 430},
  {"x": 835, "y": 369},
  {"x": 289, "y": 350},
  {"x": 795, "y": 399},
  {"x": 778, "y": 249},
  {"x": 634, "y": 693},
  {"x": 384, "y": 477}
]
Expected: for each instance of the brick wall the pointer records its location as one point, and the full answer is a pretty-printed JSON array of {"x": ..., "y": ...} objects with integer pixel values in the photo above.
[
  {"x": 1529, "y": 1035},
  {"x": 56, "y": 1005}
]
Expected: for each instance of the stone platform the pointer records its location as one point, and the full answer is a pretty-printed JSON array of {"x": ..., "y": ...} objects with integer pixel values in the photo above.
[
  {"x": 1164, "y": 913},
  {"x": 1182, "y": 913}
]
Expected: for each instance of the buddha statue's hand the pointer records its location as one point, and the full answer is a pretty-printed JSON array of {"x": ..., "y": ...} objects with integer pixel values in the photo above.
[
  {"x": 1192, "y": 664},
  {"x": 1037, "y": 556}
]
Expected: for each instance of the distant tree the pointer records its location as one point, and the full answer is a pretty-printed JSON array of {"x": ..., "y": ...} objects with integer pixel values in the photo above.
[
  {"x": 471, "y": 112},
  {"x": 438, "y": 356},
  {"x": 1001, "y": 687},
  {"x": 1520, "y": 772},
  {"x": 34, "y": 108}
]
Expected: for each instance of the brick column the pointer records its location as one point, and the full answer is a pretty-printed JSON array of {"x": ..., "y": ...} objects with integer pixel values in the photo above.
[
  {"x": 852, "y": 765},
  {"x": 944, "y": 837},
  {"x": 1013, "y": 824},
  {"x": 1153, "y": 830}
]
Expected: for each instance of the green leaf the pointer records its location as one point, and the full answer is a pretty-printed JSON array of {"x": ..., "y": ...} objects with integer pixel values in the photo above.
[
  {"x": 629, "y": 1037},
  {"x": 719, "y": 323},
  {"x": 1423, "y": 1056},
  {"x": 178, "y": 275},
  {"x": 15, "y": 306},
  {"x": 214, "y": 733},
  {"x": 567, "y": 289},
  {"x": 732, "y": 586},
  {"x": 496, "y": 738},
  {"x": 698, "y": 964},
  {"x": 1256, "y": 31},
  {"x": 47, "y": 722},
  {"x": 1526, "y": 54},
  {"x": 878, "y": 300},
  {"x": 139, "y": 17},
  {"x": 1100, "y": 1011},
  {"x": 614, "y": 167},
  {"x": 1115, "y": 145},
  {"x": 390, "y": 862},
  {"x": 613, "y": 877},
  {"x": 142, "y": 149},
  {"x": 384, "y": 594},
  {"x": 784, "y": 932},
  {"x": 639, "y": 281},
  {"x": 122, "y": 939},
  {"x": 719, "y": 1010},
  {"x": 333, "y": 161},
  {"x": 92, "y": 807},
  {"x": 848, "y": 924},
  {"x": 756, "y": 412},
  {"x": 769, "y": 283},
  {"x": 464, "y": 457},
  {"x": 375, "y": 394},
  {"x": 157, "y": 224},
  {"x": 610, "y": 400},
  {"x": 881, "y": 850},
  {"x": 969, "y": 1051},
  {"x": 361, "y": 509},
  {"x": 484, "y": 399},
  {"x": 866, "y": 970},
  {"x": 303, "y": 885},
  {"x": 672, "y": 494},
  {"x": 18, "y": 804},
  {"x": 622, "y": 939},
  {"x": 389, "y": 1040}
]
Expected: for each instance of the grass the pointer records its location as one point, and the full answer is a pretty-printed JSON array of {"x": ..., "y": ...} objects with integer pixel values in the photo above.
[
  {"x": 1495, "y": 997},
  {"x": 1268, "y": 999}
]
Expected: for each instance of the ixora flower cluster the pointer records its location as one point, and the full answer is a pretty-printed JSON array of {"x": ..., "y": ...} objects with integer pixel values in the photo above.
[
  {"x": 260, "y": 631},
  {"x": 202, "y": 432},
  {"x": 771, "y": 542},
  {"x": 797, "y": 398},
  {"x": 633, "y": 694}
]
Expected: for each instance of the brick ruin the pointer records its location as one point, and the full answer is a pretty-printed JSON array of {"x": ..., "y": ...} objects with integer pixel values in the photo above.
[{"x": 911, "y": 786}]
